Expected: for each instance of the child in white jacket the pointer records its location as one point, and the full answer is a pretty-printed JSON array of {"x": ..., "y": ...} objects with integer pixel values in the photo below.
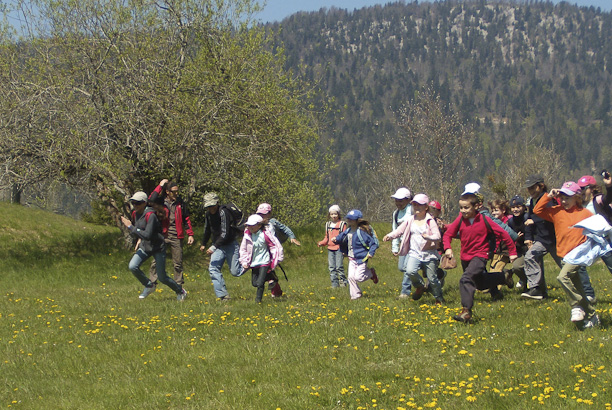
[
  {"x": 420, "y": 237},
  {"x": 261, "y": 252}
]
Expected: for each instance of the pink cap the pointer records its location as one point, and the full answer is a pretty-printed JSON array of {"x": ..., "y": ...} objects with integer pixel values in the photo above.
[
  {"x": 435, "y": 204},
  {"x": 421, "y": 199},
  {"x": 570, "y": 188},
  {"x": 264, "y": 208},
  {"x": 586, "y": 181}
]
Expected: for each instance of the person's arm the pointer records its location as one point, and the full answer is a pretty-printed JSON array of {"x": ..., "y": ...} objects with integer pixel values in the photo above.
[
  {"x": 287, "y": 231},
  {"x": 207, "y": 233},
  {"x": 504, "y": 236},
  {"x": 325, "y": 240},
  {"x": 187, "y": 223},
  {"x": 542, "y": 209},
  {"x": 151, "y": 228},
  {"x": 451, "y": 232},
  {"x": 399, "y": 231}
]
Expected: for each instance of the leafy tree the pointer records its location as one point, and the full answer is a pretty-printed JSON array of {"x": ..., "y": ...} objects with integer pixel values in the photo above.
[{"x": 111, "y": 96}]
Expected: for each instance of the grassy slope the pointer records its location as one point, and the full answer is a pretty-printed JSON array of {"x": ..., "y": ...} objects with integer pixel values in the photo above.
[{"x": 75, "y": 335}]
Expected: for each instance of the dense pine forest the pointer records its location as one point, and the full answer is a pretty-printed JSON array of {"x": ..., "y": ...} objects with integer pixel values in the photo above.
[{"x": 524, "y": 76}]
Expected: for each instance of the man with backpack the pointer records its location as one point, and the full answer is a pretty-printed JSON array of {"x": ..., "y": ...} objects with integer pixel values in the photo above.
[{"x": 221, "y": 226}]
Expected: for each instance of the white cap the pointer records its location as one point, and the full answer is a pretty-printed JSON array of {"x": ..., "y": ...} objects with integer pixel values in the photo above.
[
  {"x": 334, "y": 208},
  {"x": 139, "y": 197},
  {"x": 254, "y": 220},
  {"x": 471, "y": 188},
  {"x": 401, "y": 193}
]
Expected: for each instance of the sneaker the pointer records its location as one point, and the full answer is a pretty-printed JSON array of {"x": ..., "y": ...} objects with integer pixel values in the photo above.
[
  {"x": 374, "y": 275},
  {"x": 465, "y": 316},
  {"x": 592, "y": 300},
  {"x": 416, "y": 295},
  {"x": 181, "y": 296},
  {"x": 146, "y": 292},
  {"x": 577, "y": 314},
  {"x": 592, "y": 322},
  {"x": 533, "y": 293},
  {"x": 403, "y": 296},
  {"x": 508, "y": 279},
  {"x": 343, "y": 284},
  {"x": 440, "y": 301},
  {"x": 519, "y": 284},
  {"x": 224, "y": 298}
]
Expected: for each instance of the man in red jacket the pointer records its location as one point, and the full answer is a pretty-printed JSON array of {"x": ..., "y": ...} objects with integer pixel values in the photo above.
[
  {"x": 178, "y": 225},
  {"x": 475, "y": 232}
]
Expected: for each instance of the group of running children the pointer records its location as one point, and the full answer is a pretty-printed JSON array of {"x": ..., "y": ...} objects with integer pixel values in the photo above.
[{"x": 571, "y": 223}]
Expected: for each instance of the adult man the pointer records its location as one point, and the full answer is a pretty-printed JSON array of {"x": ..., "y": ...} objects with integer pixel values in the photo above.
[
  {"x": 402, "y": 199},
  {"x": 224, "y": 245},
  {"x": 174, "y": 230}
]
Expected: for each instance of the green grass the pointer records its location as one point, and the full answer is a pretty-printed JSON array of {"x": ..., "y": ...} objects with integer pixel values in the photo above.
[{"x": 74, "y": 335}]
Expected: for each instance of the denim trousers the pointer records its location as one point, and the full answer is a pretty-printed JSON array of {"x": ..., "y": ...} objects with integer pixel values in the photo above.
[
  {"x": 335, "y": 261},
  {"x": 160, "y": 262},
  {"x": 229, "y": 253},
  {"x": 413, "y": 265}
]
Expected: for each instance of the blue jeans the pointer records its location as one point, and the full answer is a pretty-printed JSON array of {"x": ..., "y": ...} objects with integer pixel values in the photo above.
[
  {"x": 412, "y": 275},
  {"x": 160, "y": 266},
  {"x": 335, "y": 261},
  {"x": 406, "y": 283},
  {"x": 229, "y": 252},
  {"x": 608, "y": 261}
]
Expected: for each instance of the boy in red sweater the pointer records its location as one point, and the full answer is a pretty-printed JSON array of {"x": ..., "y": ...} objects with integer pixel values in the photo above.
[{"x": 474, "y": 231}]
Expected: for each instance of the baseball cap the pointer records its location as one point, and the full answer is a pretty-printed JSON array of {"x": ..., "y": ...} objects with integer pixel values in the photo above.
[
  {"x": 139, "y": 197},
  {"x": 570, "y": 188},
  {"x": 254, "y": 220},
  {"x": 533, "y": 179},
  {"x": 264, "y": 208},
  {"x": 401, "y": 193},
  {"x": 517, "y": 200},
  {"x": 586, "y": 180},
  {"x": 435, "y": 204},
  {"x": 471, "y": 188},
  {"x": 211, "y": 199},
  {"x": 354, "y": 214},
  {"x": 334, "y": 208},
  {"x": 421, "y": 199}
]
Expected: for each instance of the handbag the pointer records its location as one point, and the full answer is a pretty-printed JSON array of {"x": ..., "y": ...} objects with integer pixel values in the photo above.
[{"x": 448, "y": 262}]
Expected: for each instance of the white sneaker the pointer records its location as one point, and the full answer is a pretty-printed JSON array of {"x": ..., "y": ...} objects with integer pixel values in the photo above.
[
  {"x": 181, "y": 296},
  {"x": 519, "y": 284},
  {"x": 147, "y": 291},
  {"x": 592, "y": 322},
  {"x": 592, "y": 300},
  {"x": 577, "y": 314}
]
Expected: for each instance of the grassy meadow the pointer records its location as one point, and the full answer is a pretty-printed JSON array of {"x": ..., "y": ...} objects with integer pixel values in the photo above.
[{"x": 74, "y": 335}]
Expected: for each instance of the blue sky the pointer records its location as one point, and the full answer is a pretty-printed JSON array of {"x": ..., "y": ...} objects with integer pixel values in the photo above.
[{"x": 276, "y": 10}]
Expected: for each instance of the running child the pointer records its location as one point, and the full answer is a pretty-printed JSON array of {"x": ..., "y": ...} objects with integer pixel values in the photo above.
[
  {"x": 281, "y": 231},
  {"x": 517, "y": 223},
  {"x": 474, "y": 231},
  {"x": 359, "y": 243},
  {"x": 335, "y": 259},
  {"x": 420, "y": 237},
  {"x": 500, "y": 259},
  {"x": 261, "y": 252}
]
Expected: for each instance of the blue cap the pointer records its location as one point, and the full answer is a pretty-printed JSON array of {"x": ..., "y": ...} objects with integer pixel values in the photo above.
[
  {"x": 354, "y": 214},
  {"x": 517, "y": 200}
]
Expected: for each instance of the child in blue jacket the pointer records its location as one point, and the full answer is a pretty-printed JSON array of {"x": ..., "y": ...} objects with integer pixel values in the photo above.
[{"x": 359, "y": 243}]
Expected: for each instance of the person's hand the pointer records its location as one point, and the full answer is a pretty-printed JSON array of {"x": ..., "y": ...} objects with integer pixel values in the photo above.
[
  {"x": 520, "y": 234},
  {"x": 245, "y": 266},
  {"x": 126, "y": 221},
  {"x": 528, "y": 243},
  {"x": 513, "y": 258},
  {"x": 296, "y": 242},
  {"x": 333, "y": 239},
  {"x": 607, "y": 180},
  {"x": 529, "y": 222},
  {"x": 395, "y": 253},
  {"x": 209, "y": 251},
  {"x": 386, "y": 238},
  {"x": 163, "y": 182},
  {"x": 449, "y": 252},
  {"x": 554, "y": 193},
  {"x": 190, "y": 240},
  {"x": 202, "y": 248}
]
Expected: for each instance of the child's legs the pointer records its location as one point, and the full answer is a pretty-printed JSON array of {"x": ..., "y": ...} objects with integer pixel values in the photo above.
[
  {"x": 273, "y": 284},
  {"x": 499, "y": 262},
  {"x": 258, "y": 280},
  {"x": 431, "y": 270},
  {"x": 357, "y": 273},
  {"x": 340, "y": 266},
  {"x": 412, "y": 272},
  {"x": 534, "y": 267},
  {"x": 336, "y": 267},
  {"x": 406, "y": 283},
  {"x": 585, "y": 280},
  {"x": 518, "y": 268},
  {"x": 472, "y": 271},
  {"x": 607, "y": 259},
  {"x": 569, "y": 278}
]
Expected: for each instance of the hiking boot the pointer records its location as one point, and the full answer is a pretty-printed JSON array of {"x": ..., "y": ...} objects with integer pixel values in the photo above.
[
  {"x": 533, "y": 293},
  {"x": 508, "y": 279},
  {"x": 495, "y": 296},
  {"x": 465, "y": 316},
  {"x": 374, "y": 275},
  {"x": 181, "y": 296},
  {"x": 592, "y": 322},
  {"x": 416, "y": 295},
  {"x": 147, "y": 291},
  {"x": 577, "y": 314}
]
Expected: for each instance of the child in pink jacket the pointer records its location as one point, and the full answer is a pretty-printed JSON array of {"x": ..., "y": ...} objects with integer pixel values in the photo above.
[
  {"x": 420, "y": 238},
  {"x": 261, "y": 252}
]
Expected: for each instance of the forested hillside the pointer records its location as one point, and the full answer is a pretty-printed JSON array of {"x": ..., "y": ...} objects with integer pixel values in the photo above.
[{"x": 533, "y": 75}]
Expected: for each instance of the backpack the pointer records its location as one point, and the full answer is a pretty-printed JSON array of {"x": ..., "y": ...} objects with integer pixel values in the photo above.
[
  {"x": 491, "y": 238},
  {"x": 238, "y": 219},
  {"x": 329, "y": 227},
  {"x": 372, "y": 233}
]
